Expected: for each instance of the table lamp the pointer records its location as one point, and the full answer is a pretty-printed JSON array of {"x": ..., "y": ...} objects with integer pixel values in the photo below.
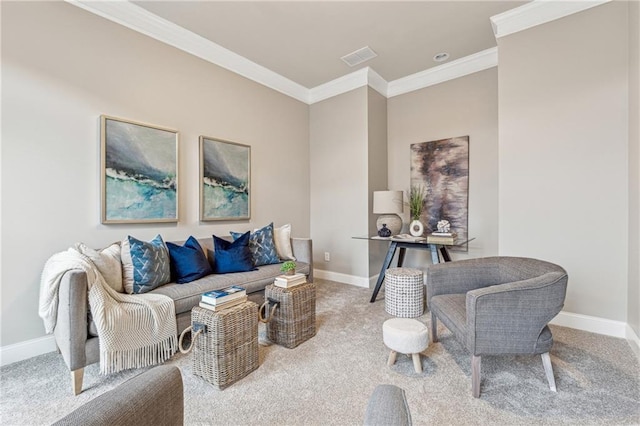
[{"x": 388, "y": 204}]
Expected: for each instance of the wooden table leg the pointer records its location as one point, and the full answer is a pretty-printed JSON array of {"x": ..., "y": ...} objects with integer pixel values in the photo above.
[{"x": 387, "y": 261}]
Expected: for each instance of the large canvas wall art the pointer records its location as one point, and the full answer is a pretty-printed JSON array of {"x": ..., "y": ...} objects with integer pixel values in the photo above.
[
  {"x": 442, "y": 167},
  {"x": 139, "y": 172},
  {"x": 225, "y": 175}
]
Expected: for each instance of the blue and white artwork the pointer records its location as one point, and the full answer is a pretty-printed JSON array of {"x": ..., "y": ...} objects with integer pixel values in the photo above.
[
  {"x": 225, "y": 173},
  {"x": 140, "y": 169}
]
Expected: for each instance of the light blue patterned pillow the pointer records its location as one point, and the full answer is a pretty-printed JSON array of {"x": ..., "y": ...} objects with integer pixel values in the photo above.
[
  {"x": 261, "y": 245},
  {"x": 145, "y": 264}
]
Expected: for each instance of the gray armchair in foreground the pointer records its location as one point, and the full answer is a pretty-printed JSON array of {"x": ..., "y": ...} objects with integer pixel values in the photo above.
[
  {"x": 153, "y": 398},
  {"x": 387, "y": 407},
  {"x": 497, "y": 306}
]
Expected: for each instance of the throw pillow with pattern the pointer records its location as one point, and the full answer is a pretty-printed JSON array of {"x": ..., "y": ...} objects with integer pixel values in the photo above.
[
  {"x": 261, "y": 245},
  {"x": 145, "y": 264}
]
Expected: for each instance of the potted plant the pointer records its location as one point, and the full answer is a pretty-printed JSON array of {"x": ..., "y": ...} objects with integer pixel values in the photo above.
[
  {"x": 288, "y": 267},
  {"x": 417, "y": 194}
]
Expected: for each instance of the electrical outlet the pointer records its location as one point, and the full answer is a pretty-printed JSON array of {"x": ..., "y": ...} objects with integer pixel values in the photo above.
[{"x": 327, "y": 256}]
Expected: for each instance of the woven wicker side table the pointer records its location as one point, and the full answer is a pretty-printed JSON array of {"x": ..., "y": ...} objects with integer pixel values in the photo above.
[
  {"x": 404, "y": 292},
  {"x": 228, "y": 350},
  {"x": 294, "y": 321}
]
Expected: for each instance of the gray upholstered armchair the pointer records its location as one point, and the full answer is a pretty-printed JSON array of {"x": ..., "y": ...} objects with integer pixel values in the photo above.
[
  {"x": 497, "y": 306},
  {"x": 153, "y": 398}
]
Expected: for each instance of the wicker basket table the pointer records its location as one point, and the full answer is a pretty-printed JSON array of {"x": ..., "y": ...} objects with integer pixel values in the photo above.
[
  {"x": 227, "y": 350},
  {"x": 404, "y": 292},
  {"x": 294, "y": 321}
]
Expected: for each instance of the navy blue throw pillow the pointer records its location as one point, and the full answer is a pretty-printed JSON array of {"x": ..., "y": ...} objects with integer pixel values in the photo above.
[
  {"x": 188, "y": 262},
  {"x": 232, "y": 256}
]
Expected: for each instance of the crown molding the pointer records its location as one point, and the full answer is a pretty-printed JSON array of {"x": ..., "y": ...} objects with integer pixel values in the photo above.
[
  {"x": 147, "y": 23},
  {"x": 537, "y": 12},
  {"x": 340, "y": 85},
  {"x": 376, "y": 82},
  {"x": 464, "y": 66},
  {"x": 139, "y": 19}
]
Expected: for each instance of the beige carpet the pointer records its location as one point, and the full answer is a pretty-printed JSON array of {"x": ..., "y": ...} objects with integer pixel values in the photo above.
[{"x": 328, "y": 379}]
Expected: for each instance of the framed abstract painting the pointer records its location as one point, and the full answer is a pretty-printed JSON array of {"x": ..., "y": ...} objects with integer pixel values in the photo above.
[
  {"x": 139, "y": 176},
  {"x": 225, "y": 176},
  {"x": 442, "y": 167}
]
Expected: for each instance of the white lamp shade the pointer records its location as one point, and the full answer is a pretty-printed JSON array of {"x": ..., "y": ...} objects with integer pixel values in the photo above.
[{"x": 386, "y": 202}]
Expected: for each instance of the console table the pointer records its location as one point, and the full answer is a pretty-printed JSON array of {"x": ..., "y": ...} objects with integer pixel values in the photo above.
[{"x": 394, "y": 244}]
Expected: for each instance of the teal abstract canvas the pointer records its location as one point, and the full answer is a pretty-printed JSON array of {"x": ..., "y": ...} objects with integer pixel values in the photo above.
[
  {"x": 225, "y": 170},
  {"x": 139, "y": 172}
]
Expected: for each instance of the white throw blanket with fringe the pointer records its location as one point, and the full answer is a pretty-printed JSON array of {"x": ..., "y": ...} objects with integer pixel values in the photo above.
[{"x": 134, "y": 330}]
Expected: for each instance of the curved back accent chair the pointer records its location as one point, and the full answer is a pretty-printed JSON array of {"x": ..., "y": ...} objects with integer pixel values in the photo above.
[{"x": 497, "y": 306}]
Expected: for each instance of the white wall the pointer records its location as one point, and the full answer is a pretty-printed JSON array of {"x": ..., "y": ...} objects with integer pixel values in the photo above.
[
  {"x": 460, "y": 107},
  {"x": 61, "y": 68},
  {"x": 563, "y": 150}
]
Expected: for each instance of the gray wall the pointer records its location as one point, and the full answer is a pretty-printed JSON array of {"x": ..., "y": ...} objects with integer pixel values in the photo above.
[
  {"x": 377, "y": 155},
  {"x": 460, "y": 107},
  {"x": 633, "y": 293},
  {"x": 339, "y": 182},
  {"x": 61, "y": 68},
  {"x": 348, "y": 135},
  {"x": 563, "y": 109}
]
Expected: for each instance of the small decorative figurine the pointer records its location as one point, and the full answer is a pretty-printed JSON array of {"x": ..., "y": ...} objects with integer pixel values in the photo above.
[
  {"x": 384, "y": 231},
  {"x": 443, "y": 226}
]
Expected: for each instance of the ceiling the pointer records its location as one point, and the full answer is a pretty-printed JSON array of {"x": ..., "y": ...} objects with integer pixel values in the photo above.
[{"x": 304, "y": 40}]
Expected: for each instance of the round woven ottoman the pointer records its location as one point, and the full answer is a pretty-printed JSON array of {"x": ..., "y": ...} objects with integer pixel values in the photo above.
[
  {"x": 407, "y": 336},
  {"x": 404, "y": 292}
]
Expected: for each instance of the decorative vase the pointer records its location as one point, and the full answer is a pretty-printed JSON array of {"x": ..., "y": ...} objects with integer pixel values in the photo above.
[
  {"x": 384, "y": 231},
  {"x": 290, "y": 272},
  {"x": 416, "y": 228}
]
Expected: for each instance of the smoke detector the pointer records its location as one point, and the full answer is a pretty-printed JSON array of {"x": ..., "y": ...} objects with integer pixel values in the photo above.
[
  {"x": 359, "y": 56},
  {"x": 441, "y": 57}
]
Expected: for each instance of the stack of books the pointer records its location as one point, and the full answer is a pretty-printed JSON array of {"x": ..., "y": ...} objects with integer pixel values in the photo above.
[
  {"x": 288, "y": 281},
  {"x": 217, "y": 300},
  {"x": 446, "y": 238}
]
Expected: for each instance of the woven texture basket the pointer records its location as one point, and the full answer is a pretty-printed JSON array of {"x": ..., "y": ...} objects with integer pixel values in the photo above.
[
  {"x": 404, "y": 292},
  {"x": 228, "y": 350},
  {"x": 294, "y": 321}
]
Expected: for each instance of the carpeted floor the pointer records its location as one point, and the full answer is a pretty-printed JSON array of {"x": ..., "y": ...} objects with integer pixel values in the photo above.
[{"x": 328, "y": 379}]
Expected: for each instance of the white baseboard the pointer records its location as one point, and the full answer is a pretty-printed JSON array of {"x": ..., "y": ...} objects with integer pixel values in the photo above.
[
  {"x": 27, "y": 349},
  {"x": 592, "y": 324},
  {"x": 341, "y": 278},
  {"x": 566, "y": 319},
  {"x": 633, "y": 340},
  {"x": 42, "y": 345}
]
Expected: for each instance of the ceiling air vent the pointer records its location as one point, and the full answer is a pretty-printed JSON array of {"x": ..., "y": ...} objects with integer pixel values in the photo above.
[{"x": 359, "y": 56}]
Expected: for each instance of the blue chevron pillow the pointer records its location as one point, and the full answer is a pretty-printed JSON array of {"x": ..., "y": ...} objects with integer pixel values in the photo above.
[
  {"x": 262, "y": 245},
  {"x": 145, "y": 264}
]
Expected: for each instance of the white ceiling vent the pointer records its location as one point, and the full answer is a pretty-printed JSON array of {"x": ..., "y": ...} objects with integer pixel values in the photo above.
[{"x": 359, "y": 56}]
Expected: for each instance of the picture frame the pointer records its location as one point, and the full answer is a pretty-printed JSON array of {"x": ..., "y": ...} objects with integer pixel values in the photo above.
[
  {"x": 225, "y": 180},
  {"x": 139, "y": 172},
  {"x": 442, "y": 167}
]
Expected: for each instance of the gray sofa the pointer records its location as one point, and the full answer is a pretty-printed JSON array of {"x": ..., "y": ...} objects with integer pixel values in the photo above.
[
  {"x": 75, "y": 334},
  {"x": 387, "y": 406},
  {"x": 153, "y": 398}
]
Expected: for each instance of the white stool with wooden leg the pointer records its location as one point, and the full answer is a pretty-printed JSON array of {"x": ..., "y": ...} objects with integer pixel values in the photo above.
[{"x": 407, "y": 336}]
